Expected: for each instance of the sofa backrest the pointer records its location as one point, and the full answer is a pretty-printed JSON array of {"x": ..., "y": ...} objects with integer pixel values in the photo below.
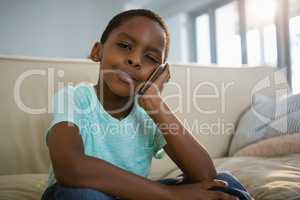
[{"x": 208, "y": 99}]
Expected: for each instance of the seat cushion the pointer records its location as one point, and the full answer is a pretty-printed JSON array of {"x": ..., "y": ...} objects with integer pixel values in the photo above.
[
  {"x": 24, "y": 186},
  {"x": 265, "y": 178},
  {"x": 273, "y": 147}
]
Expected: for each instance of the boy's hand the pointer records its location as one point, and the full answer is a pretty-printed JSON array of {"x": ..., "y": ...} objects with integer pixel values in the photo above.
[
  {"x": 152, "y": 94},
  {"x": 210, "y": 184},
  {"x": 196, "y": 191}
]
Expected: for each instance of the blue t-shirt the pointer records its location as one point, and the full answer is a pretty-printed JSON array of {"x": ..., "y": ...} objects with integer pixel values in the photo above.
[{"x": 129, "y": 143}]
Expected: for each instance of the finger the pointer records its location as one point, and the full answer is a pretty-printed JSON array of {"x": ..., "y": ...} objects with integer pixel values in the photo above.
[
  {"x": 214, "y": 183},
  {"x": 158, "y": 83},
  {"x": 164, "y": 76},
  {"x": 167, "y": 78},
  {"x": 219, "y": 183}
]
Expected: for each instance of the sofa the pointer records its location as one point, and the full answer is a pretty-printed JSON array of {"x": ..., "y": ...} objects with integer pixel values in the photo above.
[{"x": 209, "y": 100}]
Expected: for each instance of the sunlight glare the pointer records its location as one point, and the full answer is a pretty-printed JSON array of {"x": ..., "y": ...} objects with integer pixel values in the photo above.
[{"x": 261, "y": 11}]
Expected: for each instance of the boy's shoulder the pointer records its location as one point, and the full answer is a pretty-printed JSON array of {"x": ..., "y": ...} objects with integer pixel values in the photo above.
[
  {"x": 80, "y": 94},
  {"x": 80, "y": 87}
]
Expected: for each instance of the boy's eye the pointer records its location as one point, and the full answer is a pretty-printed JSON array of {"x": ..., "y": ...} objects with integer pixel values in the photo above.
[
  {"x": 152, "y": 59},
  {"x": 124, "y": 45}
]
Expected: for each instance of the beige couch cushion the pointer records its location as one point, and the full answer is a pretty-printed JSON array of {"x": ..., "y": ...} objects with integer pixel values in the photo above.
[
  {"x": 22, "y": 187},
  {"x": 22, "y": 144},
  {"x": 272, "y": 147},
  {"x": 265, "y": 178}
]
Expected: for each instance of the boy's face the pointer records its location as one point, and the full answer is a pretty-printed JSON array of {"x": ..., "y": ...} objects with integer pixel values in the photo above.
[{"x": 131, "y": 52}]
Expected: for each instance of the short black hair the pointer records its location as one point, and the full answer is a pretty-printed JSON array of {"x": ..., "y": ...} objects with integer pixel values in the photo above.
[{"x": 121, "y": 17}]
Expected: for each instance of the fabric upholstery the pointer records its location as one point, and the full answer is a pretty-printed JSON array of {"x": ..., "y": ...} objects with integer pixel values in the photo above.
[
  {"x": 265, "y": 178},
  {"x": 273, "y": 147},
  {"x": 22, "y": 186}
]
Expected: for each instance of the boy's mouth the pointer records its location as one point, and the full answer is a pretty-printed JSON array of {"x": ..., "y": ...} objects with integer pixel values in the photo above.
[{"x": 125, "y": 77}]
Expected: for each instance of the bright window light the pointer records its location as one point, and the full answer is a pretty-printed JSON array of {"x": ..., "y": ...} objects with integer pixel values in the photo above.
[
  {"x": 261, "y": 32},
  {"x": 203, "y": 39},
  {"x": 270, "y": 45},
  {"x": 295, "y": 51},
  {"x": 228, "y": 36},
  {"x": 254, "y": 47},
  {"x": 260, "y": 12}
]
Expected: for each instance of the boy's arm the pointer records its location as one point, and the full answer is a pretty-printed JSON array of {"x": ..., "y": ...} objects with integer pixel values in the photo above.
[
  {"x": 73, "y": 168},
  {"x": 190, "y": 156}
]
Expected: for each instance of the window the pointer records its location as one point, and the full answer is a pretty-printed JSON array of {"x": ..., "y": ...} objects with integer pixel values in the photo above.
[
  {"x": 228, "y": 37},
  {"x": 254, "y": 47},
  {"x": 270, "y": 45},
  {"x": 232, "y": 32},
  {"x": 261, "y": 32},
  {"x": 294, "y": 23},
  {"x": 203, "y": 39}
]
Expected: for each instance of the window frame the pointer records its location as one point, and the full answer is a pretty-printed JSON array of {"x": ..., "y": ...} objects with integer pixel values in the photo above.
[{"x": 282, "y": 32}]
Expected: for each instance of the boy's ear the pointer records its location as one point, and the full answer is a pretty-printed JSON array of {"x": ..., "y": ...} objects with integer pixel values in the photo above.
[{"x": 95, "y": 54}]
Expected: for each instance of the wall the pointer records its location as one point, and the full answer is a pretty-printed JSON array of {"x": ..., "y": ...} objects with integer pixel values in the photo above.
[{"x": 53, "y": 28}]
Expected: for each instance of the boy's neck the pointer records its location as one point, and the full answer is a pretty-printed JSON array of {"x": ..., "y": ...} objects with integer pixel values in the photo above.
[{"x": 113, "y": 104}]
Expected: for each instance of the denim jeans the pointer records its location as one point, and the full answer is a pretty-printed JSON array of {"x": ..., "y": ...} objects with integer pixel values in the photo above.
[{"x": 59, "y": 192}]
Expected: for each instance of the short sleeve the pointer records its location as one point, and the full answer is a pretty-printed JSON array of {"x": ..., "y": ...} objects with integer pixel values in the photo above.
[
  {"x": 63, "y": 108},
  {"x": 159, "y": 143}
]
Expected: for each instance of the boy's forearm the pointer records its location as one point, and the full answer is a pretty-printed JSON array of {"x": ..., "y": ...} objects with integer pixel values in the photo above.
[
  {"x": 105, "y": 177},
  {"x": 192, "y": 157}
]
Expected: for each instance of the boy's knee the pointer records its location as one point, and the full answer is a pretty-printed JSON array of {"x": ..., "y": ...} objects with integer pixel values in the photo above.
[{"x": 62, "y": 193}]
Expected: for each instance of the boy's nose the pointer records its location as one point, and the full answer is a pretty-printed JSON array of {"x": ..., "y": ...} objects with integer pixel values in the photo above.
[{"x": 133, "y": 63}]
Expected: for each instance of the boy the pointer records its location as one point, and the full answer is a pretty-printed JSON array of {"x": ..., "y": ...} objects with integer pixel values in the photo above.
[{"x": 110, "y": 163}]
